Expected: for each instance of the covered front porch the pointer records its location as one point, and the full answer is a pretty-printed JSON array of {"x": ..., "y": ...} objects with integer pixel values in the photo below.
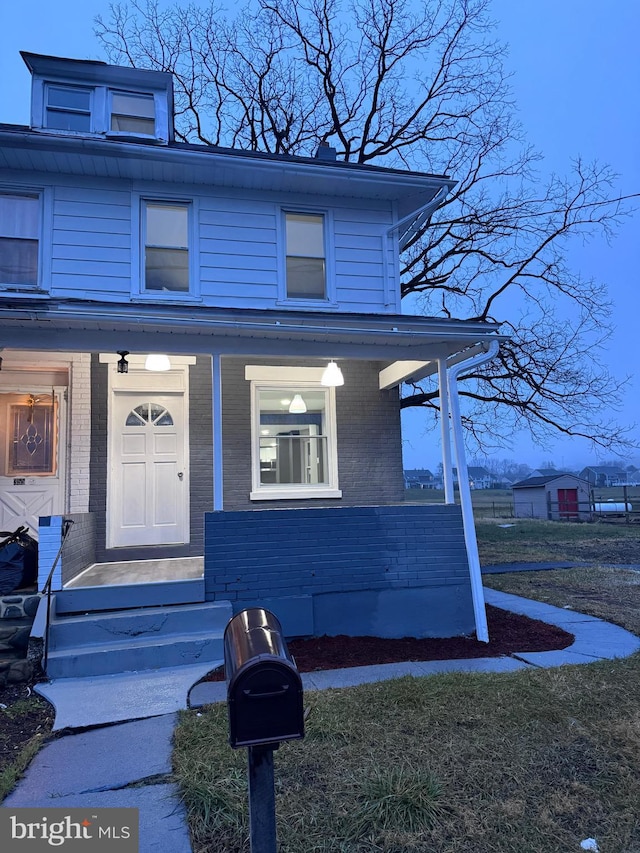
[{"x": 153, "y": 460}]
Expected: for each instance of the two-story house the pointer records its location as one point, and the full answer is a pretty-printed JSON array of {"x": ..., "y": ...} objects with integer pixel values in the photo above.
[{"x": 201, "y": 356}]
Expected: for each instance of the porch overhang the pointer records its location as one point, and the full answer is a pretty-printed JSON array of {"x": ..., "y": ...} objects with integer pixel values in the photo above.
[{"x": 79, "y": 326}]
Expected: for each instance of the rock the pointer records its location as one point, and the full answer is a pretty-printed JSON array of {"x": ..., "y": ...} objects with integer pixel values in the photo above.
[
  {"x": 20, "y": 670},
  {"x": 20, "y": 639},
  {"x": 30, "y": 605},
  {"x": 13, "y": 612}
]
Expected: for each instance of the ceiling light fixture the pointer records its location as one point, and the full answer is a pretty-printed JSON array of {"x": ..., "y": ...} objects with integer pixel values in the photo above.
[
  {"x": 157, "y": 362},
  {"x": 298, "y": 405},
  {"x": 332, "y": 376}
]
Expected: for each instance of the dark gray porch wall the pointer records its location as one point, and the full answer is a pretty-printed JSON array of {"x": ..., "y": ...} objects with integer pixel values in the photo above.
[
  {"x": 369, "y": 439},
  {"x": 200, "y": 459},
  {"x": 379, "y": 570}
]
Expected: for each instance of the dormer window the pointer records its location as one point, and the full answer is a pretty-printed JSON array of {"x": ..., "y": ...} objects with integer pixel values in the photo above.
[
  {"x": 133, "y": 114},
  {"x": 89, "y": 98},
  {"x": 68, "y": 108}
]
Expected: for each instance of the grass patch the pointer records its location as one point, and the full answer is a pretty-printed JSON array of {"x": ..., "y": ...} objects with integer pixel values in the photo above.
[
  {"x": 532, "y": 541},
  {"x": 607, "y": 593},
  {"x": 10, "y": 773},
  {"x": 533, "y": 761},
  {"x": 529, "y": 761}
]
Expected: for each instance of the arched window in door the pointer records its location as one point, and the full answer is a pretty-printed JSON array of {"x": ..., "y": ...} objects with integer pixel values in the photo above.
[{"x": 149, "y": 414}]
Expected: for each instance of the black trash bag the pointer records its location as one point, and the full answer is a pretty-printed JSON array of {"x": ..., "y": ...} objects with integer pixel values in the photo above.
[{"x": 18, "y": 560}]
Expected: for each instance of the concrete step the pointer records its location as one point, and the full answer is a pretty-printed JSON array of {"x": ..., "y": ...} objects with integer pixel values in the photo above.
[
  {"x": 92, "y": 628},
  {"x": 125, "y": 656},
  {"x": 129, "y": 596},
  {"x": 148, "y": 638}
]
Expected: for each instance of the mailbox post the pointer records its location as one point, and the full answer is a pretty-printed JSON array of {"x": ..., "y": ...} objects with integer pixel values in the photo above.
[{"x": 264, "y": 702}]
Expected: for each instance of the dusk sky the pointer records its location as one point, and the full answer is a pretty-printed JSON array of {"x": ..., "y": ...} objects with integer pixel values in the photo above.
[{"x": 576, "y": 68}]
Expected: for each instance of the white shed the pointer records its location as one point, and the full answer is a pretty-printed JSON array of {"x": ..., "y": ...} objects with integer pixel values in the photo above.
[{"x": 557, "y": 497}]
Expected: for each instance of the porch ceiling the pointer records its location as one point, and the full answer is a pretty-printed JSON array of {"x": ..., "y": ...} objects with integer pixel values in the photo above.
[{"x": 82, "y": 327}]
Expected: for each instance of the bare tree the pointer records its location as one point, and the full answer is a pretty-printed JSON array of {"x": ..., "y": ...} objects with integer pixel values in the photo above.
[{"x": 418, "y": 85}]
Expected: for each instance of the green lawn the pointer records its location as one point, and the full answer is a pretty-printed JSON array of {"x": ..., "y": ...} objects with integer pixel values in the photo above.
[{"x": 529, "y": 762}]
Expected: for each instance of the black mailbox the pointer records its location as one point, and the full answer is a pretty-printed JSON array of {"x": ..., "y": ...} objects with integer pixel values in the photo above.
[{"x": 264, "y": 688}]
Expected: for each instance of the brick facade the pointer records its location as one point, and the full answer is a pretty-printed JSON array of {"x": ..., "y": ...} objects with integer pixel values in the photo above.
[{"x": 369, "y": 439}]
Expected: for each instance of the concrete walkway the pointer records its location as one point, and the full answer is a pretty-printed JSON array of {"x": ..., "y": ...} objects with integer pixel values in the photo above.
[{"x": 129, "y": 763}]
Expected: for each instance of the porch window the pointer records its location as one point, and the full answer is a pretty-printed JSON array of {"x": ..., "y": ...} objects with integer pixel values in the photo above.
[
  {"x": 166, "y": 246},
  {"x": 306, "y": 268},
  {"x": 294, "y": 451},
  {"x": 19, "y": 234},
  {"x": 68, "y": 108},
  {"x": 133, "y": 113}
]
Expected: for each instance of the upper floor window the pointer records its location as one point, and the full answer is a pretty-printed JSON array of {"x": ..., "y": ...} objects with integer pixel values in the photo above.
[
  {"x": 68, "y": 108},
  {"x": 19, "y": 233},
  {"x": 133, "y": 113},
  {"x": 166, "y": 246},
  {"x": 305, "y": 252}
]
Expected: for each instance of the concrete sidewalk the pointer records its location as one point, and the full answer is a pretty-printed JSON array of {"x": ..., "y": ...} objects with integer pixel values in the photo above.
[{"x": 129, "y": 763}]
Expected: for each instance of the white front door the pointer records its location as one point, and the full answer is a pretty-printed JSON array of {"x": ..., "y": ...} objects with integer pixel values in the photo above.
[{"x": 148, "y": 491}]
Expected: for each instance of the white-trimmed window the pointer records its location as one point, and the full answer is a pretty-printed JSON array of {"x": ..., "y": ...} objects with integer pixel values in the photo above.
[
  {"x": 306, "y": 269},
  {"x": 165, "y": 238},
  {"x": 132, "y": 114},
  {"x": 294, "y": 449},
  {"x": 19, "y": 239},
  {"x": 68, "y": 108}
]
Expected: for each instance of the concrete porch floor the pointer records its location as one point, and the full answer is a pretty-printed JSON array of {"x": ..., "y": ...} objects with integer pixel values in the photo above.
[{"x": 139, "y": 571}]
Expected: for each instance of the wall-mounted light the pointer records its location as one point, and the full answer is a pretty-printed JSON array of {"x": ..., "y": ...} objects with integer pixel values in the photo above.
[
  {"x": 123, "y": 364},
  {"x": 332, "y": 375},
  {"x": 297, "y": 405},
  {"x": 157, "y": 362}
]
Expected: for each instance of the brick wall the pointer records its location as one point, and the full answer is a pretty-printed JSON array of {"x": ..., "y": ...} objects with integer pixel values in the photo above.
[
  {"x": 79, "y": 440},
  {"x": 200, "y": 449},
  {"x": 79, "y": 549},
  {"x": 309, "y": 551},
  {"x": 98, "y": 461},
  {"x": 368, "y": 429}
]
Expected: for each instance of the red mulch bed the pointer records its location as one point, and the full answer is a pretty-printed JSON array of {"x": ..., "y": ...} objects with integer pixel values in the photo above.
[{"x": 508, "y": 633}]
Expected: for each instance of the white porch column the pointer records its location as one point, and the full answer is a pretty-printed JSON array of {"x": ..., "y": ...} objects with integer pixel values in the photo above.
[
  {"x": 477, "y": 592},
  {"x": 445, "y": 432},
  {"x": 216, "y": 402}
]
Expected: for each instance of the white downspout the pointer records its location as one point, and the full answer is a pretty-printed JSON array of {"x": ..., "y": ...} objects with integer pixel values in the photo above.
[
  {"x": 482, "y": 632},
  {"x": 445, "y": 433}
]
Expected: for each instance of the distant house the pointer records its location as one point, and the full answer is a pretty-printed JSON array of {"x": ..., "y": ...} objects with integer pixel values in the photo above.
[
  {"x": 556, "y": 497},
  {"x": 545, "y": 472},
  {"x": 479, "y": 478},
  {"x": 419, "y": 478},
  {"x": 606, "y": 476}
]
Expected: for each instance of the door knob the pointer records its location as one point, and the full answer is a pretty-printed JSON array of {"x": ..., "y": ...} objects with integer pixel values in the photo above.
[{"x": 180, "y": 475}]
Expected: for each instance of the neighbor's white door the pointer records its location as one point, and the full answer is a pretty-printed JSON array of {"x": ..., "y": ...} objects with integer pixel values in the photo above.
[
  {"x": 30, "y": 491},
  {"x": 148, "y": 494}
]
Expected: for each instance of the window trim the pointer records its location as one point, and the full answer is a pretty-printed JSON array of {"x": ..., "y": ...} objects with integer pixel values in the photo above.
[
  {"x": 91, "y": 112},
  {"x": 138, "y": 245},
  {"x": 329, "y": 298},
  {"x": 45, "y": 227},
  {"x": 290, "y": 379},
  {"x": 130, "y": 134}
]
